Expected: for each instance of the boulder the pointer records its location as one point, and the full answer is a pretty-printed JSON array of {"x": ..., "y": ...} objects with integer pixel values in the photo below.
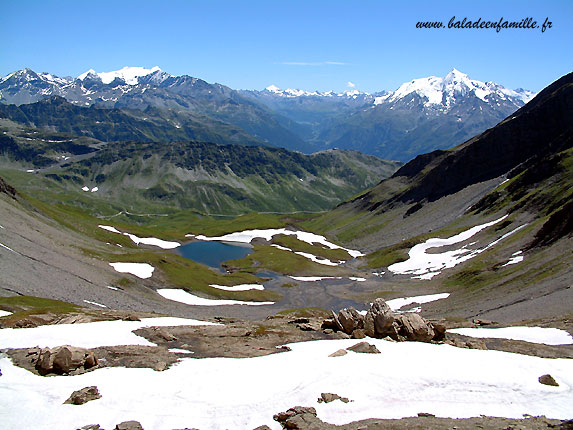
[
  {"x": 129, "y": 425},
  {"x": 358, "y": 334},
  {"x": 383, "y": 318},
  {"x": 369, "y": 329},
  {"x": 337, "y": 324},
  {"x": 350, "y": 320},
  {"x": 364, "y": 347},
  {"x": 298, "y": 417},
  {"x": 64, "y": 359},
  {"x": 330, "y": 397},
  {"x": 439, "y": 332},
  {"x": 548, "y": 380},
  {"x": 380, "y": 322},
  {"x": 329, "y": 324},
  {"x": 84, "y": 395},
  {"x": 339, "y": 353},
  {"x": 413, "y": 327}
]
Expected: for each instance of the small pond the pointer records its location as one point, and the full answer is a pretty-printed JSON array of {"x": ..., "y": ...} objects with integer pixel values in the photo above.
[{"x": 213, "y": 253}]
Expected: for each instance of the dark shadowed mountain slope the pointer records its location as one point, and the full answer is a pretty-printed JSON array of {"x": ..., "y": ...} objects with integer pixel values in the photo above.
[
  {"x": 446, "y": 183},
  {"x": 153, "y": 124}
]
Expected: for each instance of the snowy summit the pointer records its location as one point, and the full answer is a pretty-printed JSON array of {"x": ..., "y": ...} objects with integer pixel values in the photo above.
[
  {"x": 290, "y": 92},
  {"x": 444, "y": 91},
  {"x": 128, "y": 74}
]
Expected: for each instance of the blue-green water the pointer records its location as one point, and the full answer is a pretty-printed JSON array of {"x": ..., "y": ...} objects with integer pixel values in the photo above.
[{"x": 213, "y": 253}]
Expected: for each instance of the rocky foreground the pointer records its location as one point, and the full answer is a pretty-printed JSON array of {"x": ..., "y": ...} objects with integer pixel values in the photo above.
[{"x": 241, "y": 339}]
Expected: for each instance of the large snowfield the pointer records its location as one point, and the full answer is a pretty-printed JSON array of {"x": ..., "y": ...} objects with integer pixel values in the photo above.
[{"x": 225, "y": 393}]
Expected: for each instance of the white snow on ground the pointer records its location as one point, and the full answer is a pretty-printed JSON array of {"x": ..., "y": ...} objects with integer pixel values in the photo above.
[
  {"x": 95, "y": 304},
  {"x": 112, "y": 288},
  {"x": 311, "y": 257},
  {"x": 396, "y": 304},
  {"x": 248, "y": 235},
  {"x": 110, "y": 228},
  {"x": 180, "y": 351},
  {"x": 7, "y": 247},
  {"x": 283, "y": 248},
  {"x": 313, "y": 278},
  {"x": 94, "y": 189},
  {"x": 426, "y": 266},
  {"x": 319, "y": 260},
  {"x": 545, "y": 335},
  {"x": 228, "y": 393},
  {"x": 145, "y": 240},
  {"x": 141, "y": 270},
  {"x": 357, "y": 279},
  {"x": 88, "y": 335},
  {"x": 514, "y": 260},
  {"x": 85, "y": 188},
  {"x": 183, "y": 296},
  {"x": 242, "y": 287},
  {"x": 4, "y": 313},
  {"x": 153, "y": 241}
]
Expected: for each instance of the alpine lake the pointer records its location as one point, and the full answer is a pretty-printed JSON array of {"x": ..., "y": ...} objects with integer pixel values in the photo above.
[{"x": 214, "y": 253}]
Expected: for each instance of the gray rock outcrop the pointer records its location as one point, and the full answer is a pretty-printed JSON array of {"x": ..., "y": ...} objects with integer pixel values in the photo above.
[
  {"x": 548, "y": 380},
  {"x": 364, "y": 348},
  {"x": 298, "y": 417},
  {"x": 64, "y": 359},
  {"x": 381, "y": 322},
  {"x": 129, "y": 425},
  {"x": 84, "y": 395}
]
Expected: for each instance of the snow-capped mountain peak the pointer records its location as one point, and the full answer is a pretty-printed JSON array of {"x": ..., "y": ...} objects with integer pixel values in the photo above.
[
  {"x": 444, "y": 92},
  {"x": 129, "y": 75},
  {"x": 273, "y": 89},
  {"x": 290, "y": 92}
]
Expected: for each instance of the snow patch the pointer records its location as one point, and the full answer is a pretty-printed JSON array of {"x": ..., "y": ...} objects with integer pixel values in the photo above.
[
  {"x": 426, "y": 266},
  {"x": 462, "y": 383},
  {"x": 141, "y": 270},
  {"x": 313, "y": 278},
  {"x": 183, "y": 296},
  {"x": 4, "y": 313},
  {"x": 242, "y": 287},
  {"x": 164, "y": 244},
  {"x": 88, "y": 335},
  {"x": 95, "y": 304},
  {"x": 396, "y": 304}
]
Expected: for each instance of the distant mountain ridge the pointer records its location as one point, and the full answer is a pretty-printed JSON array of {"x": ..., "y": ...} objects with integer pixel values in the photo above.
[{"x": 420, "y": 116}]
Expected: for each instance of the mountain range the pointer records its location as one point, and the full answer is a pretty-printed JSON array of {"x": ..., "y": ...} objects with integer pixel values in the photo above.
[{"x": 420, "y": 116}]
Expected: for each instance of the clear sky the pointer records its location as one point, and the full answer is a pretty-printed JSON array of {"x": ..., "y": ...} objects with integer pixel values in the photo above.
[{"x": 310, "y": 44}]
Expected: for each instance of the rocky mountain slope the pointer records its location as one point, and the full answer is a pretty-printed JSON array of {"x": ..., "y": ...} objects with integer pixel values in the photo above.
[
  {"x": 223, "y": 179},
  {"x": 203, "y": 105},
  {"x": 111, "y": 124},
  {"x": 517, "y": 176},
  {"x": 420, "y": 116},
  {"x": 424, "y": 115},
  {"x": 159, "y": 176}
]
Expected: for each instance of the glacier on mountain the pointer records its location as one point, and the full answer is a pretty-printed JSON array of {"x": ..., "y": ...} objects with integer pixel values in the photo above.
[
  {"x": 442, "y": 92},
  {"x": 128, "y": 74}
]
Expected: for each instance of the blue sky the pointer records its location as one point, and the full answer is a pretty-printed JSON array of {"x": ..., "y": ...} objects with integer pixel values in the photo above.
[{"x": 312, "y": 45}]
